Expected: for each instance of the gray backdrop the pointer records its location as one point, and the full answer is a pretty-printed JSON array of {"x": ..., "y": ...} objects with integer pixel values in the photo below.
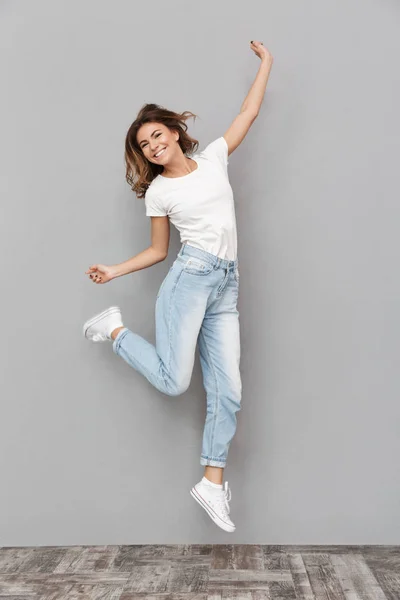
[{"x": 92, "y": 454}]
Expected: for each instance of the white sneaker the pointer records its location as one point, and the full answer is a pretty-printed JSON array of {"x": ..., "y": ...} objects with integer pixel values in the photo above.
[
  {"x": 215, "y": 502},
  {"x": 100, "y": 327}
]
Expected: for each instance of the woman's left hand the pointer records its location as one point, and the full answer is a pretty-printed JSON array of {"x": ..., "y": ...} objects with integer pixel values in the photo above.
[{"x": 260, "y": 50}]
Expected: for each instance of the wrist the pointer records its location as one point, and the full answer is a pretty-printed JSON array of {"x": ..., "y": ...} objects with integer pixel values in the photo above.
[
  {"x": 267, "y": 59},
  {"x": 115, "y": 271}
]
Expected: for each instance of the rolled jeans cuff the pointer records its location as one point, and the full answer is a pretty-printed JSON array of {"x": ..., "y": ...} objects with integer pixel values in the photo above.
[
  {"x": 118, "y": 339},
  {"x": 212, "y": 462}
]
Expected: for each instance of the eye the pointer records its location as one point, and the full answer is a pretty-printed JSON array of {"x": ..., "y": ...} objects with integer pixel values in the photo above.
[{"x": 145, "y": 144}]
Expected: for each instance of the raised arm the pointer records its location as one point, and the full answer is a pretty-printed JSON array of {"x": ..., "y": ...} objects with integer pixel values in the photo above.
[{"x": 252, "y": 103}]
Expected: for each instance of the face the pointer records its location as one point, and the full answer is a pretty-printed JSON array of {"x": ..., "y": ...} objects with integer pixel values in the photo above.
[{"x": 158, "y": 142}]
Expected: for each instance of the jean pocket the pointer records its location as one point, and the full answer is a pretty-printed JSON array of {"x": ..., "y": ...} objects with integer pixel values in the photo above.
[{"x": 195, "y": 266}]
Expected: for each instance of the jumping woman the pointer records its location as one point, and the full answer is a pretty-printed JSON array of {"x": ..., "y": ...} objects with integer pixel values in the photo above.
[{"x": 197, "y": 301}]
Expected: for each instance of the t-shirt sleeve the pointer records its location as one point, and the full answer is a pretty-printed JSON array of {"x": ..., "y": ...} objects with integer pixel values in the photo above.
[
  {"x": 217, "y": 151},
  {"x": 154, "y": 205}
]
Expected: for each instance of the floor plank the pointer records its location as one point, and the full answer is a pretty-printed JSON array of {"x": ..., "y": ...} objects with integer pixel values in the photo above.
[{"x": 200, "y": 572}]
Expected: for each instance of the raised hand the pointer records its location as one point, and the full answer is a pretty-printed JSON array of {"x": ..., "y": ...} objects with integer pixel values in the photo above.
[{"x": 260, "y": 50}]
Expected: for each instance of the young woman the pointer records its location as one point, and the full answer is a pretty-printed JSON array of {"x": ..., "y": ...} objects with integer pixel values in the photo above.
[{"x": 197, "y": 301}]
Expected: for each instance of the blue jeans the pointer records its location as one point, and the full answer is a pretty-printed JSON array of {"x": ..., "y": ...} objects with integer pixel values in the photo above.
[{"x": 196, "y": 303}]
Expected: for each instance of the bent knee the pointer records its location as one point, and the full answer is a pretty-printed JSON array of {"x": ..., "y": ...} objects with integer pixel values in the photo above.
[{"x": 177, "y": 387}]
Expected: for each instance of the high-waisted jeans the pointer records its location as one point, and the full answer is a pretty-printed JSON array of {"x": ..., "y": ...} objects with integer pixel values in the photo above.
[{"x": 196, "y": 303}]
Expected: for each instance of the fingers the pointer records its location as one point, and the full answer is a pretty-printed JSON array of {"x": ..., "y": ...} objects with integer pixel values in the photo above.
[
  {"x": 98, "y": 273},
  {"x": 94, "y": 274},
  {"x": 258, "y": 48}
]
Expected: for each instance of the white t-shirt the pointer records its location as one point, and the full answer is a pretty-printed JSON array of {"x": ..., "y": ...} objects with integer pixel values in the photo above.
[{"x": 200, "y": 204}]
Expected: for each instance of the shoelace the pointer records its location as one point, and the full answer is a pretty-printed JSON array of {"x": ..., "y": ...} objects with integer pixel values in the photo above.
[{"x": 225, "y": 498}]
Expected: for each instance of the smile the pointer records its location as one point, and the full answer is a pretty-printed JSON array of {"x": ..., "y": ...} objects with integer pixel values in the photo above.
[{"x": 159, "y": 153}]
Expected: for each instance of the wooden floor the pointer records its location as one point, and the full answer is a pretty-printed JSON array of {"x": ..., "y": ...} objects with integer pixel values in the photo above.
[{"x": 212, "y": 572}]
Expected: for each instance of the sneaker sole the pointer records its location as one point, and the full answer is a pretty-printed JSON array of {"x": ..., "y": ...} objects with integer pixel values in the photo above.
[
  {"x": 217, "y": 520},
  {"x": 110, "y": 311}
]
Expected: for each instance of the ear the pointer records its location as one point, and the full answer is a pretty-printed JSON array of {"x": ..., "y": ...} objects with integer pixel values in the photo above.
[{"x": 176, "y": 134}]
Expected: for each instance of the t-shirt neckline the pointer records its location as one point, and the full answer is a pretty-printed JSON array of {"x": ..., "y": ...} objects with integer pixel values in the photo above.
[{"x": 183, "y": 176}]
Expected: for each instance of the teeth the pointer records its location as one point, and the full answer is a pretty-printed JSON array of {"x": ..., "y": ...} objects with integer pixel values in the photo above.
[{"x": 159, "y": 153}]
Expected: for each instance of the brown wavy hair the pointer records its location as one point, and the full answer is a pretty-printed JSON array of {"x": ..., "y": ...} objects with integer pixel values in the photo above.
[{"x": 136, "y": 163}]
